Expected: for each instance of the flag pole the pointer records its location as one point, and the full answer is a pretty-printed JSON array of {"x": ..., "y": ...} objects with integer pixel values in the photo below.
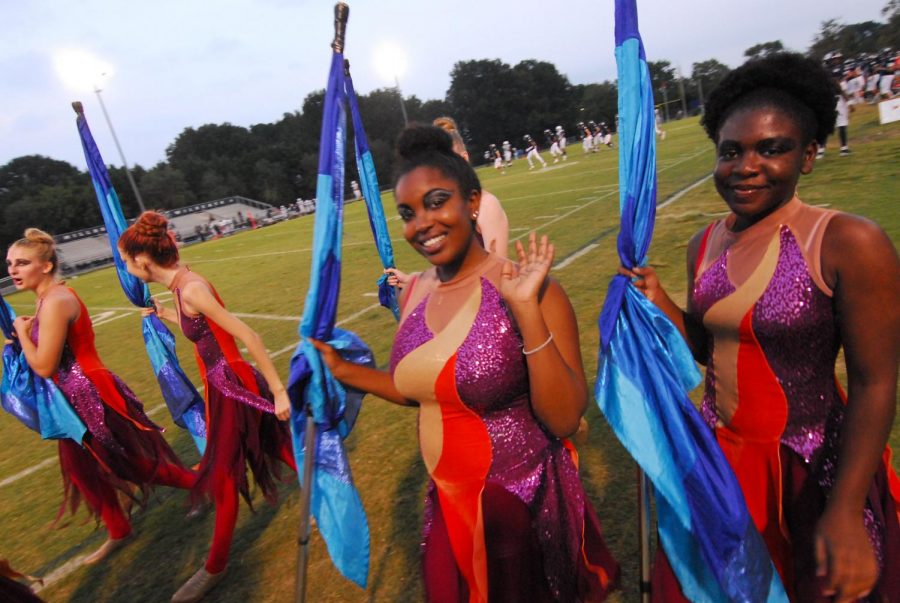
[
  {"x": 309, "y": 445},
  {"x": 643, "y": 496},
  {"x": 341, "y": 14}
]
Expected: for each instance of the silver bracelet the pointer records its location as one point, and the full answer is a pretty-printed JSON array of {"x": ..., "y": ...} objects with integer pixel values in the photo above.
[{"x": 539, "y": 348}]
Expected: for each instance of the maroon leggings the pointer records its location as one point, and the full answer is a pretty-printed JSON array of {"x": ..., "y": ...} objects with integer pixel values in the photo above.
[
  {"x": 98, "y": 489},
  {"x": 225, "y": 497}
]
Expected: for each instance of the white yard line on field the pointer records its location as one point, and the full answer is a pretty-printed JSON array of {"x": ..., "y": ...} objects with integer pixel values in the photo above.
[
  {"x": 575, "y": 256},
  {"x": 682, "y": 192},
  {"x": 26, "y": 472},
  {"x": 271, "y": 253}
]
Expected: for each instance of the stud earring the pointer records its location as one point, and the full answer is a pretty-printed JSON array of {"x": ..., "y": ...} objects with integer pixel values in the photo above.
[{"x": 474, "y": 215}]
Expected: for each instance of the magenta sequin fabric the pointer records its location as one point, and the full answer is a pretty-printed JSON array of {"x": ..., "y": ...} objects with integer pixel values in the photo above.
[
  {"x": 82, "y": 394},
  {"x": 793, "y": 319},
  {"x": 219, "y": 374},
  {"x": 125, "y": 452},
  {"x": 492, "y": 380}
]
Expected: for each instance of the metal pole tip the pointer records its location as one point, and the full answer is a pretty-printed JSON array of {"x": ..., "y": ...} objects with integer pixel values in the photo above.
[{"x": 341, "y": 14}]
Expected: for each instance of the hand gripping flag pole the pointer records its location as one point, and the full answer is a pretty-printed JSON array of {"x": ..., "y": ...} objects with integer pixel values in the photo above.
[
  {"x": 644, "y": 371},
  {"x": 185, "y": 404}
]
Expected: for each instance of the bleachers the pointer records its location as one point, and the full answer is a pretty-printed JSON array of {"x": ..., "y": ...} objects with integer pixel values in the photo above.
[
  {"x": 83, "y": 254},
  {"x": 86, "y": 249}
]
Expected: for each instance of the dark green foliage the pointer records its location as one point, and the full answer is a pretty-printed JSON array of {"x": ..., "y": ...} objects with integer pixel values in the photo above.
[{"x": 758, "y": 51}]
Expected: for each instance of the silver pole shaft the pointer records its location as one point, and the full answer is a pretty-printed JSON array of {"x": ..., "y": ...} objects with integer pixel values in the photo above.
[
  {"x": 402, "y": 104},
  {"x": 309, "y": 447},
  {"x": 112, "y": 130},
  {"x": 644, "y": 533},
  {"x": 666, "y": 102}
]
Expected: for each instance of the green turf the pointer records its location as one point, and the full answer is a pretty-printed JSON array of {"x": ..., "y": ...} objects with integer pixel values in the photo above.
[{"x": 266, "y": 272}]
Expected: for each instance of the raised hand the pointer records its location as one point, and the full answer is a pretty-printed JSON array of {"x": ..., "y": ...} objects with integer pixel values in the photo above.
[{"x": 521, "y": 284}]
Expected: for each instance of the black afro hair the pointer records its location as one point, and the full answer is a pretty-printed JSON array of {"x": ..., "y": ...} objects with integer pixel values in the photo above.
[{"x": 791, "y": 82}]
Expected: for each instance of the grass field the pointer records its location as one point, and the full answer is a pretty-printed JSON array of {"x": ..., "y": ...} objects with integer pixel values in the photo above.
[{"x": 263, "y": 275}]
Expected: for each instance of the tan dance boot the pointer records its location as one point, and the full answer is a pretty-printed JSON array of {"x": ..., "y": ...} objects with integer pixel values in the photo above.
[
  {"x": 197, "y": 586},
  {"x": 106, "y": 549}
]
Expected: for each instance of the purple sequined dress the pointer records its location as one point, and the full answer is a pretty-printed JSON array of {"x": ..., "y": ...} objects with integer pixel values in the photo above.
[
  {"x": 505, "y": 502},
  {"x": 771, "y": 394}
]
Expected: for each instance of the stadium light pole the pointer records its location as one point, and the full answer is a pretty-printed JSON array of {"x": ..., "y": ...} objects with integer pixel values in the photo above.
[
  {"x": 390, "y": 62},
  {"x": 684, "y": 112},
  {"x": 700, "y": 93},
  {"x": 402, "y": 104},
  {"x": 80, "y": 70},
  {"x": 134, "y": 188},
  {"x": 665, "y": 91}
]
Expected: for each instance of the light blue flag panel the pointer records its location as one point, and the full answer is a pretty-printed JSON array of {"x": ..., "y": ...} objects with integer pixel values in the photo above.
[
  {"x": 184, "y": 402},
  {"x": 645, "y": 369},
  {"x": 387, "y": 295},
  {"x": 36, "y": 402}
]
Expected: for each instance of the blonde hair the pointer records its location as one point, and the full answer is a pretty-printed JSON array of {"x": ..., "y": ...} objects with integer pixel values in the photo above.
[
  {"x": 43, "y": 245},
  {"x": 448, "y": 124}
]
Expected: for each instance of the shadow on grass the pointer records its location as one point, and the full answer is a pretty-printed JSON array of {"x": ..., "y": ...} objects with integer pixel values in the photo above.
[
  {"x": 169, "y": 547},
  {"x": 609, "y": 476},
  {"x": 404, "y": 537}
]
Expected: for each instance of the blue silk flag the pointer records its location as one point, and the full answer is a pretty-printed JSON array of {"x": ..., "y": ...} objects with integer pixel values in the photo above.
[
  {"x": 335, "y": 503},
  {"x": 185, "y": 404},
  {"x": 36, "y": 402},
  {"x": 387, "y": 295},
  {"x": 645, "y": 368}
]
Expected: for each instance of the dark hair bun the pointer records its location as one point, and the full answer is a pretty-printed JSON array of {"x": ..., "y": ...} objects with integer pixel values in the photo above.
[
  {"x": 418, "y": 139},
  {"x": 152, "y": 224}
]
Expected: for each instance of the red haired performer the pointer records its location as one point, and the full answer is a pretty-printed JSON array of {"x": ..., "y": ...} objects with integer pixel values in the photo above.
[
  {"x": 241, "y": 404},
  {"x": 121, "y": 449}
]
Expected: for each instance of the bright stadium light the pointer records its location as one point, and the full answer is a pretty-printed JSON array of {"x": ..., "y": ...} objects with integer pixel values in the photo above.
[
  {"x": 390, "y": 61},
  {"x": 83, "y": 71},
  {"x": 80, "y": 70}
]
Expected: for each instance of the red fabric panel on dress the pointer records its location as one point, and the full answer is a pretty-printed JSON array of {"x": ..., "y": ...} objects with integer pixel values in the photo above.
[
  {"x": 751, "y": 443},
  {"x": 460, "y": 476}
]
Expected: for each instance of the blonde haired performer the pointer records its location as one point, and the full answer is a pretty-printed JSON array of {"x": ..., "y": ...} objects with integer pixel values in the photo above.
[{"x": 122, "y": 448}]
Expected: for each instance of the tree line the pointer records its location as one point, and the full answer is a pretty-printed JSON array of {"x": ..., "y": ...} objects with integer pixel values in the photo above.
[{"x": 492, "y": 101}]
